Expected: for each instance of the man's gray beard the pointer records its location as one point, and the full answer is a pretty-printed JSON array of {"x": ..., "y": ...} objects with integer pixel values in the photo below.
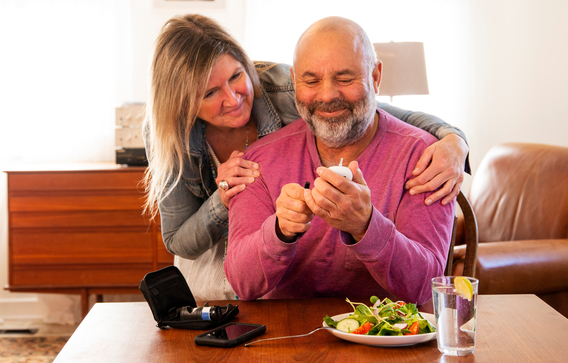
[{"x": 343, "y": 130}]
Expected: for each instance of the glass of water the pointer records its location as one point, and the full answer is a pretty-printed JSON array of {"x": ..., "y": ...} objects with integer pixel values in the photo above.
[{"x": 456, "y": 315}]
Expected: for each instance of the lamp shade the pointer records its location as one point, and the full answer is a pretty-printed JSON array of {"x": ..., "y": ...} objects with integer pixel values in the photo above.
[{"x": 404, "y": 68}]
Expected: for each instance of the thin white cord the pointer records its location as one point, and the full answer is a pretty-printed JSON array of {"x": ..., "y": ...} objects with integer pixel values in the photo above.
[{"x": 290, "y": 336}]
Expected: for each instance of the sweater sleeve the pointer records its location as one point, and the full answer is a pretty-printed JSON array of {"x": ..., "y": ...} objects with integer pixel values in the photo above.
[
  {"x": 256, "y": 258},
  {"x": 403, "y": 256}
]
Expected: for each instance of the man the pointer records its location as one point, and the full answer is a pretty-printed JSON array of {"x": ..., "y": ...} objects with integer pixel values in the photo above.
[{"x": 342, "y": 238}]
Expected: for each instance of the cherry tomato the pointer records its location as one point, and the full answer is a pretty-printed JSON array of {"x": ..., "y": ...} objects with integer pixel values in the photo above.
[
  {"x": 413, "y": 328},
  {"x": 363, "y": 329}
]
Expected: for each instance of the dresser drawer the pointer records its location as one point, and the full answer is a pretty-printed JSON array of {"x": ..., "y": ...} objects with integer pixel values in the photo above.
[
  {"x": 88, "y": 200},
  {"x": 43, "y": 247},
  {"x": 60, "y": 277},
  {"x": 77, "y": 180},
  {"x": 79, "y": 219}
]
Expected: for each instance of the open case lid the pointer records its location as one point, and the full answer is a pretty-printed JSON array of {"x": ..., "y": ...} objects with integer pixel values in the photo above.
[{"x": 166, "y": 289}]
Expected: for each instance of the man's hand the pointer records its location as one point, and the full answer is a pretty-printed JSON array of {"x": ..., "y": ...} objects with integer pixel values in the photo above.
[
  {"x": 343, "y": 204},
  {"x": 442, "y": 163},
  {"x": 293, "y": 216}
]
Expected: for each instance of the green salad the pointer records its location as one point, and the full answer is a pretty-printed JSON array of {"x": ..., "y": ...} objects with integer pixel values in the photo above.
[{"x": 383, "y": 318}]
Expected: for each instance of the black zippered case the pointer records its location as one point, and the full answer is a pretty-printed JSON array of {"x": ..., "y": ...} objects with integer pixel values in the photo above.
[{"x": 167, "y": 292}]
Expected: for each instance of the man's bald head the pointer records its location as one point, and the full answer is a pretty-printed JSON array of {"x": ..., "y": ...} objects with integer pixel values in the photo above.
[{"x": 339, "y": 30}]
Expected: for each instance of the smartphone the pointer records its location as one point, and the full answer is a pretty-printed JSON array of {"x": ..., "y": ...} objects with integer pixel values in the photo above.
[{"x": 230, "y": 335}]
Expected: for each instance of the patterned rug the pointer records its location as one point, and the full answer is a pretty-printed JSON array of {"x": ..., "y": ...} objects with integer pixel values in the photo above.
[{"x": 31, "y": 350}]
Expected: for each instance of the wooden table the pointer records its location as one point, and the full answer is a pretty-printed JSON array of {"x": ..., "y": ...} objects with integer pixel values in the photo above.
[{"x": 511, "y": 328}]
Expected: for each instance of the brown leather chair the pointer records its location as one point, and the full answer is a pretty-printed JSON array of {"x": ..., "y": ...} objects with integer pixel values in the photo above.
[{"x": 520, "y": 197}]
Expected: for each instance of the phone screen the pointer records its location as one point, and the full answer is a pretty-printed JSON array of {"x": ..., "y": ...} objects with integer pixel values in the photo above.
[{"x": 232, "y": 332}]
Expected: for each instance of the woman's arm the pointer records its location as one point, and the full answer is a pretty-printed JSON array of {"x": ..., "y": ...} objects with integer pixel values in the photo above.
[
  {"x": 429, "y": 123},
  {"x": 192, "y": 225}
]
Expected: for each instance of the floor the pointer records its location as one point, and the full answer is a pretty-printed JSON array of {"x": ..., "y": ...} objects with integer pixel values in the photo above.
[
  {"x": 36, "y": 342},
  {"x": 40, "y": 345},
  {"x": 43, "y": 330}
]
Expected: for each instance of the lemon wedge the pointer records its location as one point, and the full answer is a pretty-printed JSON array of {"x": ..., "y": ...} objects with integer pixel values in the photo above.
[{"x": 463, "y": 287}]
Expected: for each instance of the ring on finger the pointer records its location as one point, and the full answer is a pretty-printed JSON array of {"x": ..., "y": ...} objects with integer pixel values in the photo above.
[{"x": 224, "y": 185}]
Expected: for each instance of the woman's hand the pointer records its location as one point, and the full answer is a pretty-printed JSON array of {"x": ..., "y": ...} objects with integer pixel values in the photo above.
[
  {"x": 442, "y": 163},
  {"x": 237, "y": 172}
]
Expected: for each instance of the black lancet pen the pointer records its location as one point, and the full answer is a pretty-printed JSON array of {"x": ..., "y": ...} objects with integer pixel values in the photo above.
[{"x": 306, "y": 186}]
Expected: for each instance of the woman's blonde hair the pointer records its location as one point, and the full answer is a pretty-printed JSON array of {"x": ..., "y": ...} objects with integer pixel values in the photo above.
[{"x": 185, "y": 52}]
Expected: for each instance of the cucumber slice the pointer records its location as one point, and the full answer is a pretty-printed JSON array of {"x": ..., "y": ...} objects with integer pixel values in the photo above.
[{"x": 348, "y": 325}]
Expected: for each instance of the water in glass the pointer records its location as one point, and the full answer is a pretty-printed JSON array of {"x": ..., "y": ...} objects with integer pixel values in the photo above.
[{"x": 455, "y": 317}]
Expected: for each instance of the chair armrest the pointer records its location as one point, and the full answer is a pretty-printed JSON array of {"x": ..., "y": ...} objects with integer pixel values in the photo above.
[{"x": 520, "y": 267}]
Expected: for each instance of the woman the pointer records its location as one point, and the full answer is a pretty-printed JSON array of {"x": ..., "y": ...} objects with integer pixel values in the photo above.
[{"x": 207, "y": 103}]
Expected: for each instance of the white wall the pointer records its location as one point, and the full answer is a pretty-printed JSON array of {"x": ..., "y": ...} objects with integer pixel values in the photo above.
[
  {"x": 520, "y": 72},
  {"x": 139, "y": 22},
  {"x": 496, "y": 68}
]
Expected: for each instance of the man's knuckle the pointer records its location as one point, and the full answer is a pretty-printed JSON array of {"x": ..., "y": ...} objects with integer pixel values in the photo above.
[{"x": 422, "y": 180}]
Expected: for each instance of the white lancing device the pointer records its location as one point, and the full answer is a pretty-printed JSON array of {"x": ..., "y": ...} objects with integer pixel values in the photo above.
[{"x": 342, "y": 170}]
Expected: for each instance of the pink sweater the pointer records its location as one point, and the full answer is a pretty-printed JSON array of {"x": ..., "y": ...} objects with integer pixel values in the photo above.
[{"x": 405, "y": 246}]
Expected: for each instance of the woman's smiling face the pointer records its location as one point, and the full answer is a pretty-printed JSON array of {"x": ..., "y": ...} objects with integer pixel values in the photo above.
[{"x": 229, "y": 95}]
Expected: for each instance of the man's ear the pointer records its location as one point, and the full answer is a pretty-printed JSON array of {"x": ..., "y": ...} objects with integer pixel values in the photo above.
[
  {"x": 293, "y": 78},
  {"x": 377, "y": 75}
]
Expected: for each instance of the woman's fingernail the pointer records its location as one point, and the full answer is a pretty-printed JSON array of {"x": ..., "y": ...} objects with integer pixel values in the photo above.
[
  {"x": 412, "y": 192},
  {"x": 250, "y": 180},
  {"x": 428, "y": 201},
  {"x": 319, "y": 170}
]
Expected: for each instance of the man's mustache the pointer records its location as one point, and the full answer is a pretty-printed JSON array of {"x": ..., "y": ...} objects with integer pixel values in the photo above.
[{"x": 332, "y": 106}]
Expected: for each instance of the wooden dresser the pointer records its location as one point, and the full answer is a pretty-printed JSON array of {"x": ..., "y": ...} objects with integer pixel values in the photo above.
[{"x": 79, "y": 229}]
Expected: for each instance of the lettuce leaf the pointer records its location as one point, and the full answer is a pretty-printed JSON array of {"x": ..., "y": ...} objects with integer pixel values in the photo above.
[
  {"x": 330, "y": 322},
  {"x": 425, "y": 327},
  {"x": 389, "y": 330},
  {"x": 363, "y": 314},
  {"x": 386, "y": 312},
  {"x": 409, "y": 309}
]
